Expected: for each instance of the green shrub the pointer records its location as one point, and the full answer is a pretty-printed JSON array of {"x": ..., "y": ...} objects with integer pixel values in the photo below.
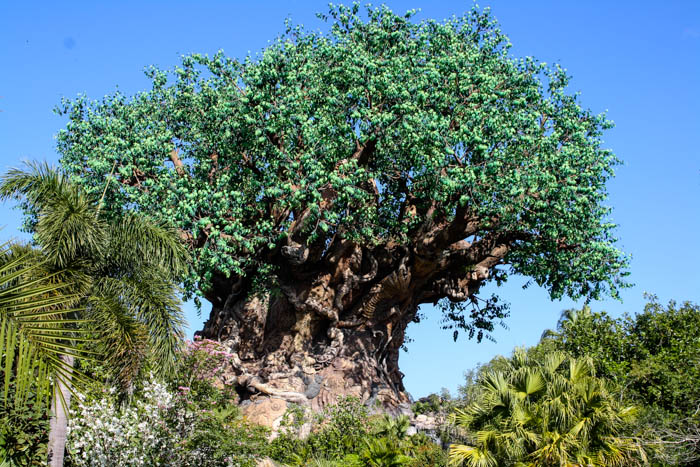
[
  {"x": 430, "y": 404},
  {"x": 546, "y": 412},
  {"x": 191, "y": 420},
  {"x": 23, "y": 433},
  {"x": 339, "y": 430},
  {"x": 221, "y": 437},
  {"x": 345, "y": 435},
  {"x": 380, "y": 452},
  {"x": 425, "y": 452}
]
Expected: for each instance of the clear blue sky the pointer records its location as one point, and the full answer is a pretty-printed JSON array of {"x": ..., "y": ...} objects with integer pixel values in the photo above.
[{"x": 640, "y": 60}]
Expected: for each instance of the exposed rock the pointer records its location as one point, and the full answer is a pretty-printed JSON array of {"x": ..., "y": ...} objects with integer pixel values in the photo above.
[
  {"x": 305, "y": 430},
  {"x": 314, "y": 387},
  {"x": 267, "y": 411},
  {"x": 425, "y": 422},
  {"x": 267, "y": 462}
]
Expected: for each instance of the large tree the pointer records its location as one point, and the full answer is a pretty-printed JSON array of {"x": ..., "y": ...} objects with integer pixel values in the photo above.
[{"x": 333, "y": 183}]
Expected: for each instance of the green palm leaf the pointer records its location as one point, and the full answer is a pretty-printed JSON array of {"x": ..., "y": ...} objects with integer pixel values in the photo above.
[
  {"x": 124, "y": 273},
  {"x": 36, "y": 326},
  {"x": 548, "y": 412},
  {"x": 127, "y": 268},
  {"x": 471, "y": 456}
]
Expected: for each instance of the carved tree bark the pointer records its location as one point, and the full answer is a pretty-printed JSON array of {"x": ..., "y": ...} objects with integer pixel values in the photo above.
[{"x": 333, "y": 323}]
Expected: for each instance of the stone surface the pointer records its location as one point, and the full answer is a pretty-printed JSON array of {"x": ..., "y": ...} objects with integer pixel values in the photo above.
[
  {"x": 267, "y": 462},
  {"x": 425, "y": 422},
  {"x": 267, "y": 411}
]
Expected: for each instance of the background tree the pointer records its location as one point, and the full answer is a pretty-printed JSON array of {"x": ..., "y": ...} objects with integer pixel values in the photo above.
[
  {"x": 653, "y": 358},
  {"x": 584, "y": 333},
  {"x": 330, "y": 186},
  {"x": 122, "y": 273}
]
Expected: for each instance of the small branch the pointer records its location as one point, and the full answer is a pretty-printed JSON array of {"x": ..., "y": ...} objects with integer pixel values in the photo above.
[
  {"x": 179, "y": 166},
  {"x": 104, "y": 192}
]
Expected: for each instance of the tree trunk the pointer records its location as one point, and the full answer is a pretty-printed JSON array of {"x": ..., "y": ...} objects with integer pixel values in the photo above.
[
  {"x": 324, "y": 329},
  {"x": 306, "y": 358},
  {"x": 58, "y": 425}
]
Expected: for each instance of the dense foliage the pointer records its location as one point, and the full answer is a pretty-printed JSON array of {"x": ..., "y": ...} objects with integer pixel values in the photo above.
[
  {"x": 190, "y": 420},
  {"x": 383, "y": 132},
  {"x": 654, "y": 360},
  {"x": 198, "y": 424},
  {"x": 648, "y": 360},
  {"x": 121, "y": 275},
  {"x": 346, "y": 435},
  {"x": 653, "y": 355},
  {"x": 575, "y": 397},
  {"x": 548, "y": 412},
  {"x": 92, "y": 288},
  {"x": 542, "y": 406},
  {"x": 24, "y": 430}
]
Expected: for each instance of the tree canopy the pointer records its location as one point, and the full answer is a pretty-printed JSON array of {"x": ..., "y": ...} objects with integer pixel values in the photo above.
[{"x": 427, "y": 136}]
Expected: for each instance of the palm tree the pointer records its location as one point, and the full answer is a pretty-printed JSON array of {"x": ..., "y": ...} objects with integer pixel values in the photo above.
[
  {"x": 568, "y": 319},
  {"x": 35, "y": 325},
  {"x": 124, "y": 272},
  {"x": 549, "y": 413},
  {"x": 393, "y": 427}
]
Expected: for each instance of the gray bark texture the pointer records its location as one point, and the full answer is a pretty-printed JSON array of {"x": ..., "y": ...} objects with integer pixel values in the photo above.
[{"x": 58, "y": 425}]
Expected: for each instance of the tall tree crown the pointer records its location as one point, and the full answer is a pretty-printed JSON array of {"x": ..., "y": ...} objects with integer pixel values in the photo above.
[{"x": 387, "y": 132}]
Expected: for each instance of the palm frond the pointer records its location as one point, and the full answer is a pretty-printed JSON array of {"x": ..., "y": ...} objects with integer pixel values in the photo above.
[
  {"x": 137, "y": 240},
  {"x": 137, "y": 312},
  {"x": 69, "y": 230},
  {"x": 122, "y": 339},
  {"x": 125, "y": 271},
  {"x": 471, "y": 456},
  {"x": 68, "y": 226},
  {"x": 37, "y": 324},
  {"x": 580, "y": 368},
  {"x": 38, "y": 184}
]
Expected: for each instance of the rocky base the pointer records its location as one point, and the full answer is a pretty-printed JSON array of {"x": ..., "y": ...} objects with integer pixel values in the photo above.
[{"x": 270, "y": 411}]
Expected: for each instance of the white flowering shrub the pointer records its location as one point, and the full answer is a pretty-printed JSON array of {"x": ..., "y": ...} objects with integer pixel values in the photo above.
[
  {"x": 142, "y": 434},
  {"x": 189, "y": 421}
]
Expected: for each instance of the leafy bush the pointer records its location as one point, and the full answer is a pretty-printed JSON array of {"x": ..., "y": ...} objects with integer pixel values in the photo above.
[
  {"x": 222, "y": 437},
  {"x": 23, "y": 433},
  {"x": 201, "y": 373},
  {"x": 191, "y": 420},
  {"x": 425, "y": 452},
  {"x": 654, "y": 356},
  {"x": 339, "y": 430},
  {"x": 429, "y": 404},
  {"x": 345, "y": 435},
  {"x": 552, "y": 411},
  {"x": 380, "y": 452},
  {"x": 101, "y": 433}
]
